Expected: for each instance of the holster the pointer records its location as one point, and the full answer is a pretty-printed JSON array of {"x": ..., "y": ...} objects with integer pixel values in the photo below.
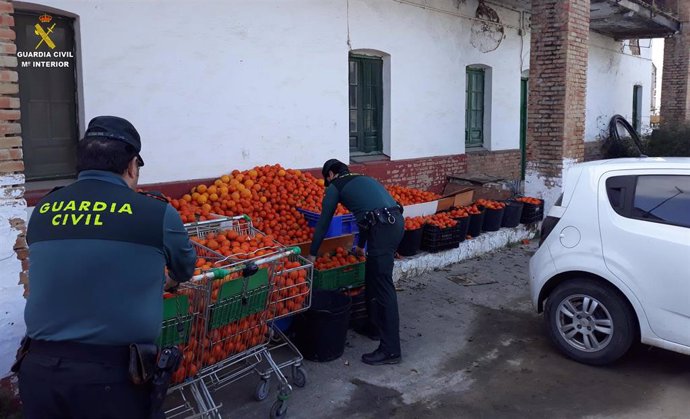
[
  {"x": 21, "y": 353},
  {"x": 167, "y": 364},
  {"x": 142, "y": 362}
]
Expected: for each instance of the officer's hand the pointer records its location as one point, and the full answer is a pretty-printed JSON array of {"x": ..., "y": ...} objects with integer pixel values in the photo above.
[
  {"x": 311, "y": 258},
  {"x": 170, "y": 284},
  {"x": 359, "y": 251}
]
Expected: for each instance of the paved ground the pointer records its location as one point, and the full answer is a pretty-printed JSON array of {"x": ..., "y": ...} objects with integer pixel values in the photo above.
[{"x": 478, "y": 352}]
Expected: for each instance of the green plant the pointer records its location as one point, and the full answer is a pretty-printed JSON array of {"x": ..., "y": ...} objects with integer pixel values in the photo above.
[
  {"x": 669, "y": 141},
  {"x": 617, "y": 148}
]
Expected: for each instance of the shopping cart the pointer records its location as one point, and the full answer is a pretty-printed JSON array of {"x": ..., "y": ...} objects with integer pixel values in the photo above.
[
  {"x": 240, "y": 302},
  {"x": 291, "y": 294},
  {"x": 183, "y": 325}
]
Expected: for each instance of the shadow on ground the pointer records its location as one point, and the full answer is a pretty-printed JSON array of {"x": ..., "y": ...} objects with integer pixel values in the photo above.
[{"x": 478, "y": 351}]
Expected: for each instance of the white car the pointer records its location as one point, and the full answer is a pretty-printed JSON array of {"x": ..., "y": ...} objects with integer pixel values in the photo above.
[{"x": 613, "y": 265}]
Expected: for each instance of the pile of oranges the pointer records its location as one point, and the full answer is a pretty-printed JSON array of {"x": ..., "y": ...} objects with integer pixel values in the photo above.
[
  {"x": 461, "y": 212},
  {"x": 340, "y": 257},
  {"x": 441, "y": 220},
  {"x": 340, "y": 209},
  {"x": 489, "y": 204},
  {"x": 290, "y": 289},
  {"x": 219, "y": 344},
  {"x": 410, "y": 196},
  {"x": 473, "y": 209},
  {"x": 414, "y": 223},
  {"x": 270, "y": 196},
  {"x": 529, "y": 200},
  {"x": 235, "y": 245}
]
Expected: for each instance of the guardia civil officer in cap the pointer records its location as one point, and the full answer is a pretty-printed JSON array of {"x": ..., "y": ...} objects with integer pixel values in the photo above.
[
  {"x": 381, "y": 227},
  {"x": 98, "y": 252}
]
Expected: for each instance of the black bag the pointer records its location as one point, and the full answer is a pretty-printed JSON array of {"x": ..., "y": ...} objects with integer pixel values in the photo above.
[{"x": 142, "y": 362}]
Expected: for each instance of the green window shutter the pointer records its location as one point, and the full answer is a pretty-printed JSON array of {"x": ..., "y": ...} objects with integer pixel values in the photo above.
[
  {"x": 637, "y": 108},
  {"x": 366, "y": 104},
  {"x": 474, "y": 108}
]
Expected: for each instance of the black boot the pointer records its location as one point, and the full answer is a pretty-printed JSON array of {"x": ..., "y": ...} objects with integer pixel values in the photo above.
[{"x": 378, "y": 357}]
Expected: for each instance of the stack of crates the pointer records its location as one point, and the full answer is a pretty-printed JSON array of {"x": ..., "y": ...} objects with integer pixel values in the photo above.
[{"x": 436, "y": 239}]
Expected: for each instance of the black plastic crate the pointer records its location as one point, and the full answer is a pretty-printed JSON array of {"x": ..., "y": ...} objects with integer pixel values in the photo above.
[
  {"x": 464, "y": 225},
  {"x": 532, "y": 213},
  {"x": 435, "y": 239}
]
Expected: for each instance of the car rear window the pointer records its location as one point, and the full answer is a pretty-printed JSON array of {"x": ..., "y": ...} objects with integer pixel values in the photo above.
[{"x": 663, "y": 199}]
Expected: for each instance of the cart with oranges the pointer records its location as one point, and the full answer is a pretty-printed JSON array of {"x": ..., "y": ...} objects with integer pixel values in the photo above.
[
  {"x": 240, "y": 301},
  {"x": 183, "y": 325},
  {"x": 291, "y": 294}
]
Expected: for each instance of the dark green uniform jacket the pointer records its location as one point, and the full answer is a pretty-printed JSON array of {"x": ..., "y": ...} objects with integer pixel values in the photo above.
[
  {"x": 358, "y": 194},
  {"x": 97, "y": 253}
]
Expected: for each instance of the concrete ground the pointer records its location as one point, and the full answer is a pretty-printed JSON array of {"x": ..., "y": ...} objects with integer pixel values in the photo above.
[{"x": 474, "y": 348}]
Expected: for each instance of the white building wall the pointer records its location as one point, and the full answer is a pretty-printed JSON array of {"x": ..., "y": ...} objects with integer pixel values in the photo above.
[
  {"x": 612, "y": 73},
  {"x": 11, "y": 292},
  {"x": 233, "y": 84},
  {"x": 611, "y": 76},
  {"x": 217, "y": 85},
  {"x": 430, "y": 49}
]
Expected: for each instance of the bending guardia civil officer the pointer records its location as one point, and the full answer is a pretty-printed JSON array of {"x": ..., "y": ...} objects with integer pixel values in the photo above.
[
  {"x": 98, "y": 252},
  {"x": 381, "y": 228}
]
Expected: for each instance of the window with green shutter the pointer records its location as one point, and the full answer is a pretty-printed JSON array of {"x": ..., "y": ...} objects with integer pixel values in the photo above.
[
  {"x": 474, "y": 108},
  {"x": 637, "y": 108},
  {"x": 366, "y": 104}
]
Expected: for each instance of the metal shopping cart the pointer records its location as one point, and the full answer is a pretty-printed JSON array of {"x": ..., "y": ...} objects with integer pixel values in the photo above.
[
  {"x": 241, "y": 296},
  {"x": 291, "y": 294}
]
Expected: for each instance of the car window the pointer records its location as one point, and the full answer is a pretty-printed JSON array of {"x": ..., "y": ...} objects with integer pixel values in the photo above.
[
  {"x": 664, "y": 199},
  {"x": 619, "y": 190}
]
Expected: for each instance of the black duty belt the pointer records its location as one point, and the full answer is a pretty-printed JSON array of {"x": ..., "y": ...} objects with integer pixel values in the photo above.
[
  {"x": 397, "y": 209},
  {"x": 110, "y": 354},
  {"x": 381, "y": 216}
]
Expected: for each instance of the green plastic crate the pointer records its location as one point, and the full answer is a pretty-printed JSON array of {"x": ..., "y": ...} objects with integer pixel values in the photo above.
[
  {"x": 176, "y": 316},
  {"x": 240, "y": 298},
  {"x": 349, "y": 276}
]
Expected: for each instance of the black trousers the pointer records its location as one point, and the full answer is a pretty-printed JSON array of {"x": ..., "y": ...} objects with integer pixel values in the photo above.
[
  {"x": 382, "y": 301},
  {"x": 59, "y": 387}
]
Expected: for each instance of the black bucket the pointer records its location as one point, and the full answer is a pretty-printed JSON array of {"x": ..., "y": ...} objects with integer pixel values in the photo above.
[
  {"x": 410, "y": 243},
  {"x": 464, "y": 225},
  {"x": 512, "y": 214},
  {"x": 492, "y": 219},
  {"x": 475, "y": 224},
  {"x": 320, "y": 332}
]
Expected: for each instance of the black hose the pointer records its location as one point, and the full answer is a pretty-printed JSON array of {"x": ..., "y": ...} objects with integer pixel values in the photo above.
[{"x": 617, "y": 120}]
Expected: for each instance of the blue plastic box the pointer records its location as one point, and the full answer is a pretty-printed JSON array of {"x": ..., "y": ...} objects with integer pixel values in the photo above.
[{"x": 340, "y": 224}]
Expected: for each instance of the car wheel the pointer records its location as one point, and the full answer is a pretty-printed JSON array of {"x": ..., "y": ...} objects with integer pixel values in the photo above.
[{"x": 589, "y": 322}]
